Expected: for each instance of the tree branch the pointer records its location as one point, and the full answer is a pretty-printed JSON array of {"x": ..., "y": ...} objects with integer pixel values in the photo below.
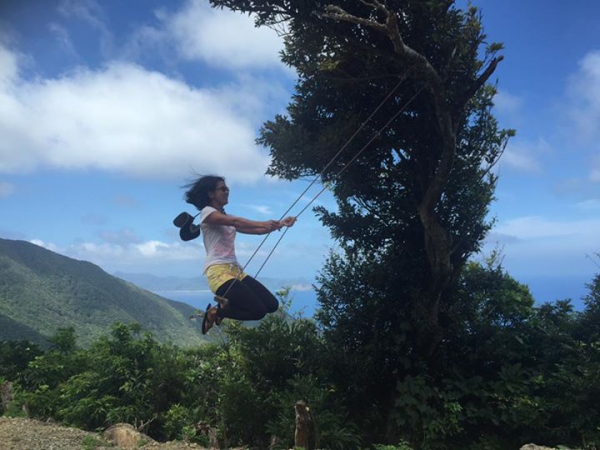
[
  {"x": 437, "y": 239},
  {"x": 477, "y": 84},
  {"x": 375, "y": 4},
  {"x": 390, "y": 29},
  {"x": 337, "y": 13}
]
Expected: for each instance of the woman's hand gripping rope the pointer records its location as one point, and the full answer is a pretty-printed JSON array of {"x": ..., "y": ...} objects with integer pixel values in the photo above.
[{"x": 287, "y": 222}]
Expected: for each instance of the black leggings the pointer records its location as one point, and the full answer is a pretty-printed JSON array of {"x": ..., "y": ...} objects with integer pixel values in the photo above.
[{"x": 248, "y": 299}]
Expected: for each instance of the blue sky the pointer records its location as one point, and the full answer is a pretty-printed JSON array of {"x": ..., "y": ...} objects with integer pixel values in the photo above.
[{"x": 107, "y": 108}]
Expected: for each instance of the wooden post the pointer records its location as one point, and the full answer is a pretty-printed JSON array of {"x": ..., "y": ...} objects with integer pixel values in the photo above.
[
  {"x": 6, "y": 394},
  {"x": 306, "y": 435},
  {"x": 302, "y": 425}
]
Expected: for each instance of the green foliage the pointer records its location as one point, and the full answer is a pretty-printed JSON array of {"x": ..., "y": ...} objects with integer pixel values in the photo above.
[
  {"x": 403, "y": 354},
  {"x": 44, "y": 375},
  {"x": 404, "y": 233},
  {"x": 333, "y": 428},
  {"x": 176, "y": 421},
  {"x": 508, "y": 372},
  {"x": 270, "y": 367},
  {"x": 114, "y": 381},
  {"x": 64, "y": 341},
  {"x": 568, "y": 346},
  {"x": 430, "y": 415},
  {"x": 15, "y": 356},
  {"x": 93, "y": 443},
  {"x": 414, "y": 346},
  {"x": 256, "y": 375},
  {"x": 119, "y": 385},
  {"x": 403, "y": 445}
]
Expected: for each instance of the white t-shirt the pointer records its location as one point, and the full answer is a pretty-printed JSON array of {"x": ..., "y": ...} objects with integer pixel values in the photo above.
[{"x": 219, "y": 241}]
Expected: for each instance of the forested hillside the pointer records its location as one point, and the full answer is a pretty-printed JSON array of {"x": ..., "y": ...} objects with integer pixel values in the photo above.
[{"x": 41, "y": 291}]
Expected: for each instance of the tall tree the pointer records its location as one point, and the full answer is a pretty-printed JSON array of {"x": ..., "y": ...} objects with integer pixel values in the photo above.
[{"x": 413, "y": 187}]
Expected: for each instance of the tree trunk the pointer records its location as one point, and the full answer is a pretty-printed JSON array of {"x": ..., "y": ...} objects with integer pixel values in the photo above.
[{"x": 437, "y": 239}]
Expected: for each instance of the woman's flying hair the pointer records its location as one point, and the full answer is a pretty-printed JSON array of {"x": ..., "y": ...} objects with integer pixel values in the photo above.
[{"x": 198, "y": 190}]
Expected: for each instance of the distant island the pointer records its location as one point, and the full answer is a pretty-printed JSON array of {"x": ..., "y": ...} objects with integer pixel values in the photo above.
[{"x": 171, "y": 283}]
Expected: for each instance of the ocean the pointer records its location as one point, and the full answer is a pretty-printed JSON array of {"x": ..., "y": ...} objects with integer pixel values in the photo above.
[
  {"x": 304, "y": 302},
  {"x": 544, "y": 289}
]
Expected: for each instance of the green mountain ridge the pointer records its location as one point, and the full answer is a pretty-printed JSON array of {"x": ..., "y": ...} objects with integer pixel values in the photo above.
[{"x": 42, "y": 291}]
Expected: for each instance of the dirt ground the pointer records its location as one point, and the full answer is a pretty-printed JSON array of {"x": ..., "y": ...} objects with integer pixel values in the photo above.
[{"x": 27, "y": 434}]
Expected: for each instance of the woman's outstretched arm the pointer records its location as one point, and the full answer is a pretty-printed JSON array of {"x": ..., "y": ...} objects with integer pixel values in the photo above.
[{"x": 242, "y": 224}]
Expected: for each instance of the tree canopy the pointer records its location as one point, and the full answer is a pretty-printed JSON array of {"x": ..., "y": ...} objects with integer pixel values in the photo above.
[{"x": 413, "y": 205}]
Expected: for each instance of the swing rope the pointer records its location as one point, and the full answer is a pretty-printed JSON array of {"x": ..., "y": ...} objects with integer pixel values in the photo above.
[
  {"x": 338, "y": 174},
  {"x": 332, "y": 160},
  {"x": 320, "y": 175}
]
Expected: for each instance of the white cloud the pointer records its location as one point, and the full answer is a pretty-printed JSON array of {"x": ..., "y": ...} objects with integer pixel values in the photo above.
[
  {"x": 535, "y": 227},
  {"x": 64, "y": 39},
  {"x": 186, "y": 259},
  {"x": 592, "y": 204},
  {"x": 122, "y": 237},
  {"x": 8, "y": 67},
  {"x": 261, "y": 209},
  {"x": 115, "y": 256},
  {"x": 126, "y": 201},
  {"x": 46, "y": 245},
  {"x": 152, "y": 248},
  {"x": 506, "y": 102},
  {"x": 94, "y": 219},
  {"x": 302, "y": 287},
  {"x": 154, "y": 256},
  {"x": 223, "y": 38},
  {"x": 91, "y": 13},
  {"x": 521, "y": 161},
  {"x": 595, "y": 170},
  {"x": 525, "y": 156},
  {"x": 6, "y": 189},
  {"x": 537, "y": 245},
  {"x": 127, "y": 119},
  {"x": 584, "y": 90}
]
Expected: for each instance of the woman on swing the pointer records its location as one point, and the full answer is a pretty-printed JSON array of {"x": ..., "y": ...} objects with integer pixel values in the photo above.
[{"x": 240, "y": 296}]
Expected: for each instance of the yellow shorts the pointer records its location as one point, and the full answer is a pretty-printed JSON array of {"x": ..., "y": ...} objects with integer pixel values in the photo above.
[{"x": 220, "y": 273}]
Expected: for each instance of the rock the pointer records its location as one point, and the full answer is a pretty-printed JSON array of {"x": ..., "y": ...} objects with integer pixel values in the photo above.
[
  {"x": 126, "y": 437},
  {"x": 27, "y": 434},
  {"x": 535, "y": 447}
]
